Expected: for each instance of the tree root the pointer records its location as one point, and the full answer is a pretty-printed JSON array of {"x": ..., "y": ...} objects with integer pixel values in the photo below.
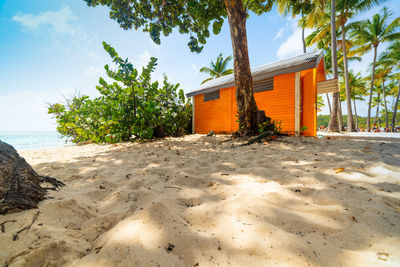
[
  {"x": 15, "y": 236},
  {"x": 54, "y": 182},
  {"x": 265, "y": 135},
  {"x": 3, "y": 228}
]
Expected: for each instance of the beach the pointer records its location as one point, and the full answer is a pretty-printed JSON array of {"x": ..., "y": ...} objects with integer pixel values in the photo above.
[{"x": 205, "y": 201}]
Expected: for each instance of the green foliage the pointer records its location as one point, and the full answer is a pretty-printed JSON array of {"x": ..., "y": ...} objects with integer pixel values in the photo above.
[
  {"x": 194, "y": 17},
  {"x": 217, "y": 69},
  {"x": 270, "y": 125},
  {"x": 303, "y": 128},
  {"x": 132, "y": 105}
]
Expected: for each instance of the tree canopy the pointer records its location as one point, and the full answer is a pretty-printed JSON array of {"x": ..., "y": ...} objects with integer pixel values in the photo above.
[{"x": 192, "y": 17}]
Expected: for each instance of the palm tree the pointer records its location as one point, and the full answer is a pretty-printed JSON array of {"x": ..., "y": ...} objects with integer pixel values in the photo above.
[
  {"x": 358, "y": 90},
  {"x": 217, "y": 69},
  {"x": 376, "y": 102},
  {"x": 382, "y": 74},
  {"x": 346, "y": 10},
  {"x": 301, "y": 7},
  {"x": 369, "y": 34},
  {"x": 320, "y": 103},
  {"x": 321, "y": 39},
  {"x": 392, "y": 57},
  {"x": 325, "y": 38}
]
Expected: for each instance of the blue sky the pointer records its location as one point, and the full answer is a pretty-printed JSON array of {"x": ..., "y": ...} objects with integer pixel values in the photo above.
[{"x": 51, "y": 49}]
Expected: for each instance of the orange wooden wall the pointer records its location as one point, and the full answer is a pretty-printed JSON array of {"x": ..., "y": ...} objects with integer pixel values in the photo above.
[{"x": 220, "y": 115}]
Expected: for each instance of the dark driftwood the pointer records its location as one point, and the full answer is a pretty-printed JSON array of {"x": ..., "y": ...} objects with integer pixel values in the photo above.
[{"x": 19, "y": 184}]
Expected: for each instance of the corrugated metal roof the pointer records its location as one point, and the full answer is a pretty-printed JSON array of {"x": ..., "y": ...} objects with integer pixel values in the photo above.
[{"x": 298, "y": 63}]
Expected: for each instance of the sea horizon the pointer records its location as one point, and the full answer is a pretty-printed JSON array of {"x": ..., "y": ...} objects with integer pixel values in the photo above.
[{"x": 23, "y": 140}]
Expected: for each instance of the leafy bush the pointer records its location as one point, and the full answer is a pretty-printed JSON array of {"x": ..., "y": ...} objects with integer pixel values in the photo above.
[{"x": 132, "y": 106}]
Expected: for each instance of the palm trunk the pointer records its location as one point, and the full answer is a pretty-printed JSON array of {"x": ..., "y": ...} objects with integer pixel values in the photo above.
[
  {"x": 246, "y": 104},
  {"x": 355, "y": 113},
  {"x": 333, "y": 120},
  {"x": 384, "y": 102},
  {"x": 377, "y": 111},
  {"x": 371, "y": 88},
  {"x": 329, "y": 104},
  {"x": 350, "y": 122},
  {"x": 395, "y": 108},
  {"x": 302, "y": 35},
  {"x": 340, "y": 114}
]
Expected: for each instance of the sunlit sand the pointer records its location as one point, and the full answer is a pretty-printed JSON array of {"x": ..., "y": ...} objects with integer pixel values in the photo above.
[{"x": 197, "y": 201}]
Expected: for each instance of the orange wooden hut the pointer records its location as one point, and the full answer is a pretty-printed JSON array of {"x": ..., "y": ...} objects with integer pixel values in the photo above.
[{"x": 286, "y": 90}]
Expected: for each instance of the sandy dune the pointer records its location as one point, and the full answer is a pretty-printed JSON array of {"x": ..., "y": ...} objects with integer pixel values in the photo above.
[{"x": 196, "y": 201}]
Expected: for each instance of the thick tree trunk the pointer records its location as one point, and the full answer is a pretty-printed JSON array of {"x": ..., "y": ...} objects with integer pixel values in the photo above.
[
  {"x": 333, "y": 120},
  {"x": 355, "y": 113},
  {"x": 395, "y": 108},
  {"x": 371, "y": 89},
  {"x": 329, "y": 104},
  {"x": 384, "y": 102},
  {"x": 19, "y": 184},
  {"x": 246, "y": 104},
  {"x": 350, "y": 121}
]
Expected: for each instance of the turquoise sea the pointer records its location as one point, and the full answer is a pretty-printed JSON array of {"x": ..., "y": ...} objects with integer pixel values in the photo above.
[{"x": 22, "y": 140}]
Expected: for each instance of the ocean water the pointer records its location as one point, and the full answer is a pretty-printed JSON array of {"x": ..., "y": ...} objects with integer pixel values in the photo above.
[{"x": 22, "y": 140}]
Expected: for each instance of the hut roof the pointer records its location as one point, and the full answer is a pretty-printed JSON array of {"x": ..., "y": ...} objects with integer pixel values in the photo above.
[{"x": 294, "y": 64}]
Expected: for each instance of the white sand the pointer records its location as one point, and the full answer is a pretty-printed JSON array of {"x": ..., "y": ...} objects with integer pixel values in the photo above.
[
  {"x": 369, "y": 135},
  {"x": 265, "y": 204}
]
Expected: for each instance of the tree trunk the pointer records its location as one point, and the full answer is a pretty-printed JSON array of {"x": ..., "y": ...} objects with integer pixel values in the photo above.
[
  {"x": 302, "y": 35},
  {"x": 246, "y": 104},
  {"x": 377, "y": 111},
  {"x": 384, "y": 102},
  {"x": 371, "y": 89},
  {"x": 395, "y": 108},
  {"x": 333, "y": 120},
  {"x": 340, "y": 115},
  {"x": 329, "y": 104},
  {"x": 350, "y": 122},
  {"x": 19, "y": 184},
  {"x": 355, "y": 113}
]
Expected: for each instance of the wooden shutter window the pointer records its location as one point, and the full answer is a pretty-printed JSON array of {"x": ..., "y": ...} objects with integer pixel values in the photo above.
[
  {"x": 264, "y": 85},
  {"x": 211, "y": 96}
]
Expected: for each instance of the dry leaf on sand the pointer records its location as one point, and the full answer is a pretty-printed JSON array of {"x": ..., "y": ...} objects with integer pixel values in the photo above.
[{"x": 337, "y": 170}]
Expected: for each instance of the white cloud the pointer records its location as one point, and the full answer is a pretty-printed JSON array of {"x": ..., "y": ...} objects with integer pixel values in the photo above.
[
  {"x": 58, "y": 21},
  {"x": 60, "y": 26},
  {"x": 293, "y": 44},
  {"x": 143, "y": 60},
  {"x": 279, "y": 34}
]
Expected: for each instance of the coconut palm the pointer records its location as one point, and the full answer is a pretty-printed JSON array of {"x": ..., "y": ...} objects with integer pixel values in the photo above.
[
  {"x": 320, "y": 103},
  {"x": 382, "y": 74},
  {"x": 369, "y": 34},
  {"x": 321, "y": 39},
  {"x": 333, "y": 125},
  {"x": 392, "y": 57},
  {"x": 358, "y": 91},
  {"x": 347, "y": 9},
  {"x": 376, "y": 102},
  {"x": 217, "y": 69},
  {"x": 301, "y": 7},
  {"x": 325, "y": 38}
]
